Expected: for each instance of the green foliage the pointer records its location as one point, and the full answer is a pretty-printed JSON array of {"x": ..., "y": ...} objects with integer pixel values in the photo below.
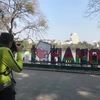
[
  {"x": 80, "y": 45},
  {"x": 73, "y": 47},
  {"x": 30, "y": 7}
]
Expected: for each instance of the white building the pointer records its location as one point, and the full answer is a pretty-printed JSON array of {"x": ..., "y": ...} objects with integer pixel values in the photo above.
[
  {"x": 75, "y": 38},
  {"x": 96, "y": 43}
]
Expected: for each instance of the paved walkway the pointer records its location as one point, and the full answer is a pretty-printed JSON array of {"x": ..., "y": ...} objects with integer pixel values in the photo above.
[{"x": 48, "y": 85}]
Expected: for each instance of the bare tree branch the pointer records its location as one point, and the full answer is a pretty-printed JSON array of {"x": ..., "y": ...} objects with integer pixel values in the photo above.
[{"x": 24, "y": 15}]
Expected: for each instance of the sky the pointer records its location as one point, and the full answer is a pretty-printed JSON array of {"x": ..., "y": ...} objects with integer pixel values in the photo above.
[{"x": 66, "y": 17}]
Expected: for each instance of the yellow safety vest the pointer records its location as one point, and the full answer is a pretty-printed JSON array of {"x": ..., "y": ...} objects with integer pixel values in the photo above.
[{"x": 7, "y": 60}]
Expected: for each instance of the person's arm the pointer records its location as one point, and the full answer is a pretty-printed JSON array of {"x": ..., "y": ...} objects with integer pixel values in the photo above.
[{"x": 10, "y": 61}]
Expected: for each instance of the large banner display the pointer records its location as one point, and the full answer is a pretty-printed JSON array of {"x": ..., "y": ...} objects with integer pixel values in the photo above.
[{"x": 45, "y": 52}]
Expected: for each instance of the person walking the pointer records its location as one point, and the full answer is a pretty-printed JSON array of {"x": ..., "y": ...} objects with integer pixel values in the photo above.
[{"x": 7, "y": 65}]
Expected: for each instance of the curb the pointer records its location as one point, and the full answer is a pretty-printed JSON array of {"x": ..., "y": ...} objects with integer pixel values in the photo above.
[{"x": 64, "y": 70}]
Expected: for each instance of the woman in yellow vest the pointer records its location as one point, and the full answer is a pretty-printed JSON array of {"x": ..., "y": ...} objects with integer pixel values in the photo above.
[{"x": 7, "y": 64}]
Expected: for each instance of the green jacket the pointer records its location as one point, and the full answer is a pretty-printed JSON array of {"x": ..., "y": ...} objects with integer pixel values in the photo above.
[{"x": 7, "y": 60}]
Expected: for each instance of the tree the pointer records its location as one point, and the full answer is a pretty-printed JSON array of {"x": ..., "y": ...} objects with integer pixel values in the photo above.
[
  {"x": 22, "y": 17},
  {"x": 93, "y": 8}
]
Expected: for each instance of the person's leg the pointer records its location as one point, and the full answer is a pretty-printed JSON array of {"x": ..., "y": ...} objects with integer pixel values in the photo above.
[{"x": 7, "y": 94}]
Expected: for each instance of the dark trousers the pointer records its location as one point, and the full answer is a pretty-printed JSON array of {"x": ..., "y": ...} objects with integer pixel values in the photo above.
[{"x": 7, "y": 94}]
